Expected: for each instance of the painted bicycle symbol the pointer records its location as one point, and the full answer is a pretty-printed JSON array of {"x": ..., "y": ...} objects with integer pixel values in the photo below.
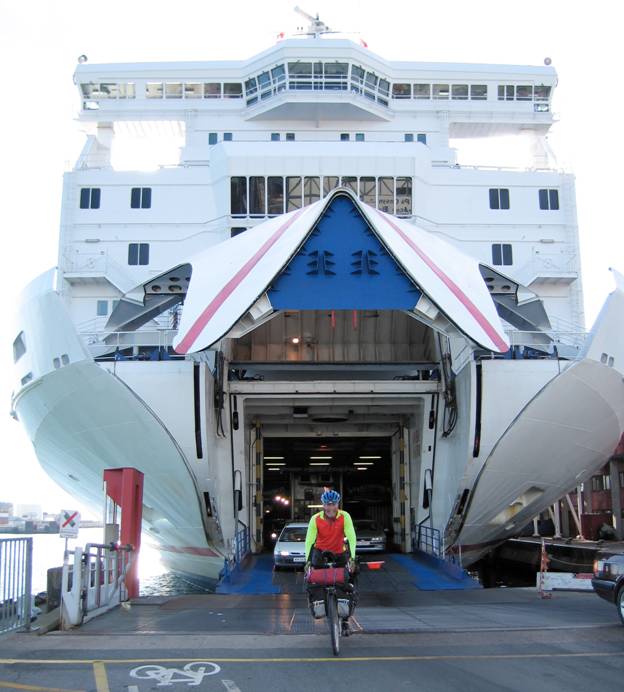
[{"x": 192, "y": 673}]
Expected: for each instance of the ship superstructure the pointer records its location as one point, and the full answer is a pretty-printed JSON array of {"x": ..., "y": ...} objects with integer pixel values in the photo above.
[{"x": 318, "y": 293}]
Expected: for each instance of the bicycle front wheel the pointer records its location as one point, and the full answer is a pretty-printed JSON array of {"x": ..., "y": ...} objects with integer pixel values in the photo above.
[{"x": 334, "y": 623}]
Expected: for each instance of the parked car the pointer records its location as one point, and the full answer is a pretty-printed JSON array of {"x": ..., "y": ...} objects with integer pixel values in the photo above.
[
  {"x": 289, "y": 550},
  {"x": 369, "y": 537},
  {"x": 608, "y": 581}
]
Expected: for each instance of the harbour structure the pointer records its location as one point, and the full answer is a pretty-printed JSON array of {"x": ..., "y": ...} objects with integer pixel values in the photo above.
[{"x": 319, "y": 293}]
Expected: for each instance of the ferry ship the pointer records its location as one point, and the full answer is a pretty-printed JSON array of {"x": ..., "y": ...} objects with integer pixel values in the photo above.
[{"x": 319, "y": 294}]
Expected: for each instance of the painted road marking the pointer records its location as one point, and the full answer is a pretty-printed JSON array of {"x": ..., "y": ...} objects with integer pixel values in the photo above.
[
  {"x": 230, "y": 686},
  {"x": 133, "y": 688},
  {"x": 36, "y": 688},
  {"x": 192, "y": 673},
  {"x": 101, "y": 680}
]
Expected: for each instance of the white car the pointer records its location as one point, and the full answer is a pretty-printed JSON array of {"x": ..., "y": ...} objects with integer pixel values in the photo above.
[{"x": 289, "y": 550}]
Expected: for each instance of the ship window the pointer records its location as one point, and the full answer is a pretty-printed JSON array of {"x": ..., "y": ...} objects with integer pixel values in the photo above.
[
  {"x": 19, "y": 347},
  {"x": 311, "y": 190},
  {"x": 173, "y": 90},
  {"x": 357, "y": 78},
  {"x": 330, "y": 182},
  {"x": 102, "y": 308},
  {"x": 232, "y": 90},
  {"x": 440, "y": 91},
  {"x": 606, "y": 482},
  {"x": 499, "y": 198},
  {"x": 408, "y": 137},
  {"x": 384, "y": 87},
  {"x": 293, "y": 193},
  {"x": 227, "y": 137},
  {"x": 278, "y": 74},
  {"x": 57, "y": 363},
  {"x": 154, "y": 90},
  {"x": 290, "y": 136},
  {"x": 621, "y": 474},
  {"x": 459, "y": 92},
  {"x": 421, "y": 137},
  {"x": 90, "y": 198},
  {"x": 300, "y": 74},
  {"x": 193, "y": 90},
  {"x": 345, "y": 137},
  {"x": 524, "y": 93},
  {"x": 138, "y": 253},
  {"x": 257, "y": 196},
  {"x": 367, "y": 191},
  {"x": 549, "y": 199},
  {"x": 502, "y": 254},
  {"x": 251, "y": 90},
  {"x": 275, "y": 136},
  {"x": 541, "y": 93},
  {"x": 238, "y": 196},
  {"x": 27, "y": 378},
  {"x": 212, "y": 90},
  {"x": 350, "y": 182},
  {"x": 402, "y": 91},
  {"x": 506, "y": 92},
  {"x": 275, "y": 187},
  {"x": 478, "y": 92},
  {"x": 359, "y": 136},
  {"x": 385, "y": 192},
  {"x": 212, "y": 138},
  {"x": 422, "y": 91},
  {"x": 403, "y": 196},
  {"x": 597, "y": 483},
  {"x": 237, "y": 230},
  {"x": 141, "y": 198}
]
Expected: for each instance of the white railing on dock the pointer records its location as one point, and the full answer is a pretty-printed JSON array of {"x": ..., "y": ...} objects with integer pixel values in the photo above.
[
  {"x": 15, "y": 583},
  {"x": 93, "y": 581}
]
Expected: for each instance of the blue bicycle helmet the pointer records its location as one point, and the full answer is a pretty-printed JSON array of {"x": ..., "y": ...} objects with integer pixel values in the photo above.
[{"x": 330, "y": 497}]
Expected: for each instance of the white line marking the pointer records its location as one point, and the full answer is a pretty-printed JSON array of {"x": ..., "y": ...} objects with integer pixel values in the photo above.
[
  {"x": 230, "y": 686},
  {"x": 133, "y": 688}
]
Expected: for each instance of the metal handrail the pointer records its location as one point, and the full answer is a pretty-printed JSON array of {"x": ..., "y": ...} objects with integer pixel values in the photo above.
[{"x": 15, "y": 583}]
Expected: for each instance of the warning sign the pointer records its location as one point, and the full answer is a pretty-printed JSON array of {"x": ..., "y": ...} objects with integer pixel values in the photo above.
[{"x": 69, "y": 524}]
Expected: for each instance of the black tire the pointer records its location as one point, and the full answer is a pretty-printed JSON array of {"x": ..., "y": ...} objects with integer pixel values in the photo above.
[
  {"x": 334, "y": 623},
  {"x": 619, "y": 602}
]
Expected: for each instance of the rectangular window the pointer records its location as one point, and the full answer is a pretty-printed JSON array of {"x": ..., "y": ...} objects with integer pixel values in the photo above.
[
  {"x": 275, "y": 136},
  {"x": 440, "y": 91},
  {"x": 422, "y": 91},
  {"x": 345, "y": 137},
  {"x": 300, "y": 74},
  {"x": 506, "y": 92},
  {"x": 233, "y": 90},
  {"x": 478, "y": 92},
  {"x": 549, "y": 199},
  {"x": 502, "y": 254},
  {"x": 173, "y": 90},
  {"x": 19, "y": 347},
  {"x": 541, "y": 93},
  {"x": 499, "y": 198},
  {"x": 257, "y": 196},
  {"x": 212, "y": 138},
  {"x": 102, "y": 308},
  {"x": 193, "y": 90},
  {"x": 138, "y": 253},
  {"x": 275, "y": 189},
  {"x": 141, "y": 198},
  {"x": 350, "y": 182},
  {"x": 212, "y": 90},
  {"x": 524, "y": 93},
  {"x": 311, "y": 190},
  {"x": 408, "y": 137},
  {"x": 367, "y": 191},
  {"x": 294, "y": 196},
  {"x": 359, "y": 136},
  {"x": 422, "y": 138},
  {"x": 290, "y": 136},
  {"x": 227, "y": 137},
  {"x": 90, "y": 198},
  {"x": 385, "y": 194},
  {"x": 621, "y": 474},
  {"x": 330, "y": 182},
  {"x": 403, "y": 196},
  {"x": 154, "y": 90},
  {"x": 401, "y": 91},
  {"x": 238, "y": 196},
  {"x": 596, "y": 483},
  {"x": 459, "y": 92},
  {"x": 606, "y": 482}
]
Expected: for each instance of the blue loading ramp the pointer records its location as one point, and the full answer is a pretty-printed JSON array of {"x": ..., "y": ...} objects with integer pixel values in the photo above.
[{"x": 400, "y": 573}]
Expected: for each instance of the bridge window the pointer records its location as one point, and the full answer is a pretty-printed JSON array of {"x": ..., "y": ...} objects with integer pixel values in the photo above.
[
  {"x": 385, "y": 192},
  {"x": 212, "y": 90},
  {"x": 154, "y": 90},
  {"x": 401, "y": 91},
  {"x": 251, "y": 91},
  {"x": 300, "y": 75},
  {"x": 173, "y": 90},
  {"x": 141, "y": 198},
  {"x": 459, "y": 92},
  {"x": 403, "y": 196},
  {"x": 90, "y": 198},
  {"x": 233, "y": 90},
  {"x": 541, "y": 93},
  {"x": 506, "y": 92},
  {"x": 367, "y": 191},
  {"x": 257, "y": 196},
  {"x": 19, "y": 346},
  {"x": 350, "y": 182},
  {"x": 478, "y": 92},
  {"x": 311, "y": 190},
  {"x": 549, "y": 199},
  {"x": 499, "y": 198},
  {"x": 330, "y": 182},
  {"x": 294, "y": 193},
  {"x": 422, "y": 91},
  {"x": 357, "y": 79},
  {"x": 193, "y": 90},
  {"x": 275, "y": 189},
  {"x": 138, "y": 253},
  {"x": 238, "y": 196},
  {"x": 502, "y": 254},
  {"x": 524, "y": 93},
  {"x": 440, "y": 91}
]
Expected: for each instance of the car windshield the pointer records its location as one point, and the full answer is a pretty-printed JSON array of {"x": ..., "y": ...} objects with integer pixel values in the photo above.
[
  {"x": 366, "y": 525},
  {"x": 293, "y": 535}
]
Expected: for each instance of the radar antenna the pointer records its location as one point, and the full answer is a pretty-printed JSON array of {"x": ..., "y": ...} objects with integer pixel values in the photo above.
[{"x": 316, "y": 26}]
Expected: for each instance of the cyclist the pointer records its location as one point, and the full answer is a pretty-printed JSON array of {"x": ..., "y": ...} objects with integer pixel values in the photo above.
[{"x": 327, "y": 531}]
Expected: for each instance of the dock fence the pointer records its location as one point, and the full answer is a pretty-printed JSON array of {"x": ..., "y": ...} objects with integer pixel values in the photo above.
[{"x": 15, "y": 583}]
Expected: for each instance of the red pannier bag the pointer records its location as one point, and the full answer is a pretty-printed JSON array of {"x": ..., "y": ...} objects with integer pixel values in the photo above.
[{"x": 328, "y": 576}]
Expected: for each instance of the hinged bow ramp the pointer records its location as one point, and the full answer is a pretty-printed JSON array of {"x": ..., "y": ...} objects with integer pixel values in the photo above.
[{"x": 336, "y": 254}]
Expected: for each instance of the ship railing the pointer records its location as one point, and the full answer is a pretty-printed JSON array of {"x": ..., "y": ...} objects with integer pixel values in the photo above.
[
  {"x": 430, "y": 541},
  {"x": 93, "y": 581},
  {"x": 109, "y": 342},
  {"x": 15, "y": 584},
  {"x": 555, "y": 342},
  {"x": 241, "y": 547}
]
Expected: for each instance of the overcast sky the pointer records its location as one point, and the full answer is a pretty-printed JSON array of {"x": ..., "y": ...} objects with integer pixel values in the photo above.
[{"x": 40, "y": 41}]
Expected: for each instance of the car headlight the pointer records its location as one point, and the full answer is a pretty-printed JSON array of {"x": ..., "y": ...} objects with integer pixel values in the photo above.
[
  {"x": 284, "y": 553},
  {"x": 377, "y": 539}
]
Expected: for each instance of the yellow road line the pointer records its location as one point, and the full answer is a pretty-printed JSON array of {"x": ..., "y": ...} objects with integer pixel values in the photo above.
[
  {"x": 101, "y": 679},
  {"x": 359, "y": 659},
  {"x": 18, "y": 686}
]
